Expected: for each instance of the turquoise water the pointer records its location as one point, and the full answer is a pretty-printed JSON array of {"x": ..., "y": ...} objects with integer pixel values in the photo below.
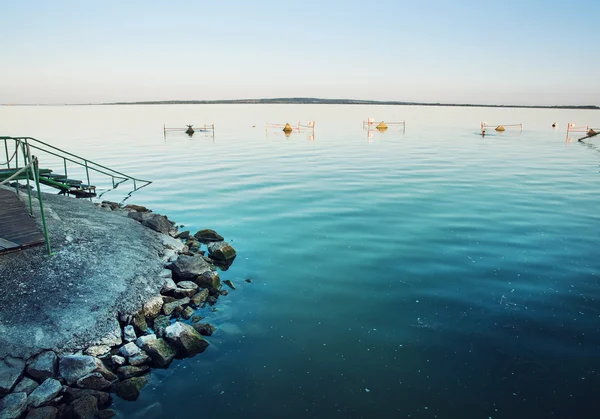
[{"x": 426, "y": 274}]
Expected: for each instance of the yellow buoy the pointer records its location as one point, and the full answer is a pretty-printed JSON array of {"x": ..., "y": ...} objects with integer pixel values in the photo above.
[
  {"x": 287, "y": 128},
  {"x": 382, "y": 126},
  {"x": 500, "y": 128}
]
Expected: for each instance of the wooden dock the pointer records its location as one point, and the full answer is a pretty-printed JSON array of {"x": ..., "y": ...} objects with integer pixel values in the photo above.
[{"x": 18, "y": 229}]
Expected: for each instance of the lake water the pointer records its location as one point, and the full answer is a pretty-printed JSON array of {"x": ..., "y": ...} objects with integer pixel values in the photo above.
[{"x": 426, "y": 274}]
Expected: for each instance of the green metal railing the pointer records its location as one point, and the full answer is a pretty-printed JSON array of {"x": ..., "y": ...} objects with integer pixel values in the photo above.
[
  {"x": 116, "y": 177},
  {"x": 28, "y": 168}
]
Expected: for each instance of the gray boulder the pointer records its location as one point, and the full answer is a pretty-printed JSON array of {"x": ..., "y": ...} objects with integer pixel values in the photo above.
[
  {"x": 130, "y": 389},
  {"x": 172, "y": 244},
  {"x": 140, "y": 216},
  {"x": 204, "y": 329},
  {"x": 168, "y": 299},
  {"x": 129, "y": 333},
  {"x": 189, "y": 267},
  {"x": 42, "y": 366},
  {"x": 138, "y": 208},
  {"x": 74, "y": 367},
  {"x": 46, "y": 412},
  {"x": 26, "y": 385},
  {"x": 47, "y": 391},
  {"x": 200, "y": 297},
  {"x": 182, "y": 292},
  {"x": 130, "y": 349},
  {"x": 160, "y": 324},
  {"x": 158, "y": 223},
  {"x": 209, "y": 279},
  {"x": 188, "y": 285},
  {"x": 144, "y": 339},
  {"x": 193, "y": 245},
  {"x": 187, "y": 313},
  {"x": 139, "y": 359},
  {"x": 139, "y": 322},
  {"x": 11, "y": 369},
  {"x": 183, "y": 235},
  {"x": 153, "y": 306},
  {"x": 185, "y": 338},
  {"x": 84, "y": 407},
  {"x": 160, "y": 351},
  {"x": 169, "y": 286},
  {"x": 13, "y": 406},
  {"x": 118, "y": 360},
  {"x": 93, "y": 381},
  {"x": 170, "y": 307},
  {"x": 97, "y": 350},
  {"x": 129, "y": 371},
  {"x": 221, "y": 251},
  {"x": 208, "y": 236},
  {"x": 103, "y": 398}
]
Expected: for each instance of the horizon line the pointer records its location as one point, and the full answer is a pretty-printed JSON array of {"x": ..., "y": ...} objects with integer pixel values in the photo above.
[{"x": 307, "y": 101}]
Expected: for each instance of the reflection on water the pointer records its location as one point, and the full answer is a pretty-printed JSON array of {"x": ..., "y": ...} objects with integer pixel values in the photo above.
[{"x": 433, "y": 274}]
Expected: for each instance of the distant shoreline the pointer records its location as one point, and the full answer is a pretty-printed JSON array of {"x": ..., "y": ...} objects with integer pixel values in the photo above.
[{"x": 316, "y": 101}]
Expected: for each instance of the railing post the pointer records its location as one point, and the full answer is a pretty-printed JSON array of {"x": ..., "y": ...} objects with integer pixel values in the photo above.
[
  {"x": 24, "y": 149},
  {"x": 36, "y": 176},
  {"x": 16, "y": 154},
  {"x": 87, "y": 173},
  {"x": 65, "y": 166},
  {"x": 17, "y": 142},
  {"x": 6, "y": 150}
]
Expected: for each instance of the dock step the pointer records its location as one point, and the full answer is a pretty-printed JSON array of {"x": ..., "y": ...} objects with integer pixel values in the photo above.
[
  {"x": 61, "y": 182},
  {"x": 63, "y": 179}
]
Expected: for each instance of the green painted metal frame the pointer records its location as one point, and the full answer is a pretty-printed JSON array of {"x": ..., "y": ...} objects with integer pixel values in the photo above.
[
  {"x": 73, "y": 158},
  {"x": 31, "y": 164}
]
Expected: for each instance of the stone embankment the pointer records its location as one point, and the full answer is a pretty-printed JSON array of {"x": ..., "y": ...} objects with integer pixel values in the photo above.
[{"x": 77, "y": 381}]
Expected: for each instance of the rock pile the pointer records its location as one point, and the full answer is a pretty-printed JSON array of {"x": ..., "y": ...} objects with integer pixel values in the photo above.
[{"x": 50, "y": 385}]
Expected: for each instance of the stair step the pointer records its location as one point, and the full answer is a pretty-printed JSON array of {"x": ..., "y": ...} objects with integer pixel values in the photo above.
[
  {"x": 63, "y": 178},
  {"x": 4, "y": 172}
]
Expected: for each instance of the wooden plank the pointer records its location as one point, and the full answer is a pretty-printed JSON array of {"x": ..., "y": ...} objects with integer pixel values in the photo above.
[{"x": 17, "y": 228}]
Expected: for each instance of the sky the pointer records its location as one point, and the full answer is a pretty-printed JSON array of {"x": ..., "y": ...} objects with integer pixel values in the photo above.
[{"x": 462, "y": 51}]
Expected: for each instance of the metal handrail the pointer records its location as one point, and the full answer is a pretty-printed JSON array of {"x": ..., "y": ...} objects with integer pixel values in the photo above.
[
  {"x": 32, "y": 165},
  {"x": 87, "y": 164}
]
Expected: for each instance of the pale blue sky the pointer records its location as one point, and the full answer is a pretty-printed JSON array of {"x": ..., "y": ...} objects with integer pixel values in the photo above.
[{"x": 464, "y": 51}]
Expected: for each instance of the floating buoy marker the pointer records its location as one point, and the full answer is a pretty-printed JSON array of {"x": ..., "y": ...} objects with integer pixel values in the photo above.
[
  {"x": 500, "y": 128},
  {"x": 287, "y": 129},
  {"x": 382, "y": 126}
]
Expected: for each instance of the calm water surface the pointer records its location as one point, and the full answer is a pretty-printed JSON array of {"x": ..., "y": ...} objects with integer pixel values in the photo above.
[{"x": 426, "y": 274}]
